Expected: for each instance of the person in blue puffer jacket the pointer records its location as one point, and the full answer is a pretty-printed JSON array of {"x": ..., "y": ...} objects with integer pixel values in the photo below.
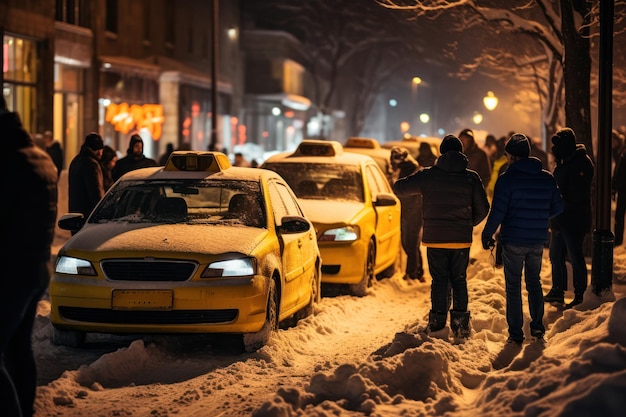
[{"x": 525, "y": 198}]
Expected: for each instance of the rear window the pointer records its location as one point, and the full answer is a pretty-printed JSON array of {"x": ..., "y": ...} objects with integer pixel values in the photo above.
[{"x": 321, "y": 181}]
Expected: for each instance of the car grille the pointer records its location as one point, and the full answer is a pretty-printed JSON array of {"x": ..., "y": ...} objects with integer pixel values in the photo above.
[
  {"x": 98, "y": 315},
  {"x": 148, "y": 270}
]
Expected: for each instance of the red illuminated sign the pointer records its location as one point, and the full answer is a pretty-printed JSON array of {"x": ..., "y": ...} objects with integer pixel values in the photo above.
[{"x": 125, "y": 117}]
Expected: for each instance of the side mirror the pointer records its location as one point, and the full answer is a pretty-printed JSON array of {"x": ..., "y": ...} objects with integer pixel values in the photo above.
[
  {"x": 385, "y": 199},
  {"x": 294, "y": 224},
  {"x": 72, "y": 221}
]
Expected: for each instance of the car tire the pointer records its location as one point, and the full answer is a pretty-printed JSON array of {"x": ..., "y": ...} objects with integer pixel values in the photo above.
[
  {"x": 70, "y": 338},
  {"x": 255, "y": 341},
  {"x": 360, "y": 289},
  {"x": 390, "y": 271}
]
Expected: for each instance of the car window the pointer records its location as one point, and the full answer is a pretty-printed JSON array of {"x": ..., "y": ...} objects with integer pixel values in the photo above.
[
  {"x": 377, "y": 181},
  {"x": 183, "y": 201},
  {"x": 321, "y": 181},
  {"x": 283, "y": 204}
]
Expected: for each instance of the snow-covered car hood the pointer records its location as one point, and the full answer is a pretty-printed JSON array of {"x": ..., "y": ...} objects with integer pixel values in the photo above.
[
  {"x": 330, "y": 211},
  {"x": 206, "y": 239}
]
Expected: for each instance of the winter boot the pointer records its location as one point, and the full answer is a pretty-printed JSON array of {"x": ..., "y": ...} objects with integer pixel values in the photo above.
[
  {"x": 436, "y": 321},
  {"x": 554, "y": 296},
  {"x": 460, "y": 324}
]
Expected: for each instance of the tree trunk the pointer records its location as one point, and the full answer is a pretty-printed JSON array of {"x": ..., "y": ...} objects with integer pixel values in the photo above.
[{"x": 577, "y": 73}]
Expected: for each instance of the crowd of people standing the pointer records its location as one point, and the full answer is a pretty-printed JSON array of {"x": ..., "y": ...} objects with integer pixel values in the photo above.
[{"x": 535, "y": 200}]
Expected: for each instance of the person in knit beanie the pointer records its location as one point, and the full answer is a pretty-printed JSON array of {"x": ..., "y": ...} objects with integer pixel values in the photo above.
[{"x": 454, "y": 201}]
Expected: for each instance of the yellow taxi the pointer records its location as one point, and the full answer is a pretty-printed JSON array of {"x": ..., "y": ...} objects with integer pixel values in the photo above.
[
  {"x": 196, "y": 246},
  {"x": 371, "y": 147},
  {"x": 352, "y": 206},
  {"x": 414, "y": 143}
]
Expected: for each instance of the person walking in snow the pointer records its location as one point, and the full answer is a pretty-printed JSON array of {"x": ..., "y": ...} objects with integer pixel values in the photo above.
[
  {"x": 410, "y": 215},
  {"x": 28, "y": 177},
  {"x": 85, "y": 182},
  {"x": 454, "y": 201},
  {"x": 134, "y": 159},
  {"x": 525, "y": 198}
]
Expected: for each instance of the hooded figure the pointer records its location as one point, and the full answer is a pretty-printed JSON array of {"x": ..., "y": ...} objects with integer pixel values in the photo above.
[
  {"x": 574, "y": 175},
  {"x": 134, "y": 159}
]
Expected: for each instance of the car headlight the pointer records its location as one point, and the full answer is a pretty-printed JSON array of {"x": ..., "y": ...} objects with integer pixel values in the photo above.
[
  {"x": 231, "y": 268},
  {"x": 341, "y": 234},
  {"x": 74, "y": 266}
]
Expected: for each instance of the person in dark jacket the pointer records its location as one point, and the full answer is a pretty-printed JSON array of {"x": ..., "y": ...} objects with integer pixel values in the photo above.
[
  {"x": 85, "y": 182},
  {"x": 525, "y": 198},
  {"x": 55, "y": 150},
  {"x": 574, "y": 175},
  {"x": 477, "y": 159},
  {"x": 27, "y": 221},
  {"x": 410, "y": 215},
  {"x": 454, "y": 201},
  {"x": 134, "y": 159}
]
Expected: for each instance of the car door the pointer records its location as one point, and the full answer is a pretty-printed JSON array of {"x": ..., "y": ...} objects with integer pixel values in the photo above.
[
  {"x": 388, "y": 217},
  {"x": 295, "y": 283}
]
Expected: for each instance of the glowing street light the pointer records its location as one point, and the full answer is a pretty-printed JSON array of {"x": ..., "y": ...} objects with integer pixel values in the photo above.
[
  {"x": 424, "y": 118},
  {"x": 477, "y": 118},
  {"x": 490, "y": 101}
]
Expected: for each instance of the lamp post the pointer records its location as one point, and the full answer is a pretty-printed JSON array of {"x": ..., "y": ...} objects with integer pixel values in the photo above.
[
  {"x": 490, "y": 101},
  {"x": 214, "y": 72}
]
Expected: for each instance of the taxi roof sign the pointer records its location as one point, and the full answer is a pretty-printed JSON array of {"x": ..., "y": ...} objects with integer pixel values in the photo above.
[
  {"x": 361, "y": 142},
  {"x": 314, "y": 147},
  {"x": 197, "y": 161}
]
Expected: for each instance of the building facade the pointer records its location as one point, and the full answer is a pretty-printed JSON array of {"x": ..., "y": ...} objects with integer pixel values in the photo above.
[{"x": 146, "y": 66}]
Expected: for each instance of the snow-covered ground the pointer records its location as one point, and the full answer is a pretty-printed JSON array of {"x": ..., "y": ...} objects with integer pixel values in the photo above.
[{"x": 357, "y": 356}]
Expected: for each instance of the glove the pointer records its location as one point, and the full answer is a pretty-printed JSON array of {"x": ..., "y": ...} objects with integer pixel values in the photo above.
[{"x": 488, "y": 243}]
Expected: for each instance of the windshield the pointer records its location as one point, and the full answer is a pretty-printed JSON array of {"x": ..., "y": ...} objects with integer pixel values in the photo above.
[
  {"x": 321, "y": 181},
  {"x": 183, "y": 201}
]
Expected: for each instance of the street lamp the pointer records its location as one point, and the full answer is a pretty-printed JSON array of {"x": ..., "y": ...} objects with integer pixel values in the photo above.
[{"x": 490, "y": 101}]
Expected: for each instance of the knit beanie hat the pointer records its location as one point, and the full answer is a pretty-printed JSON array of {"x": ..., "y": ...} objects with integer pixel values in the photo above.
[
  {"x": 450, "y": 143},
  {"x": 564, "y": 143},
  {"x": 518, "y": 145},
  {"x": 94, "y": 141}
]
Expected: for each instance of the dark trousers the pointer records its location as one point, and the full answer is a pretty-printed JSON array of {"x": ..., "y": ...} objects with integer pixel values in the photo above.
[
  {"x": 20, "y": 291},
  {"x": 564, "y": 245},
  {"x": 528, "y": 259},
  {"x": 411, "y": 232},
  {"x": 448, "y": 269}
]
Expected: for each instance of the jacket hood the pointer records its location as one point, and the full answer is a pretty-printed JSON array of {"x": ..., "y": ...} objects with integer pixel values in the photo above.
[
  {"x": 133, "y": 140},
  {"x": 452, "y": 161}
]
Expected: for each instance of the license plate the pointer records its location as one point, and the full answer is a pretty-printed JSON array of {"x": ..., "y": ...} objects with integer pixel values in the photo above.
[{"x": 142, "y": 299}]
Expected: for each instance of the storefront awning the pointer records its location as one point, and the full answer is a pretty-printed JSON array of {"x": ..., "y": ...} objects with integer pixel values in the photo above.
[
  {"x": 130, "y": 66},
  {"x": 293, "y": 101}
]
